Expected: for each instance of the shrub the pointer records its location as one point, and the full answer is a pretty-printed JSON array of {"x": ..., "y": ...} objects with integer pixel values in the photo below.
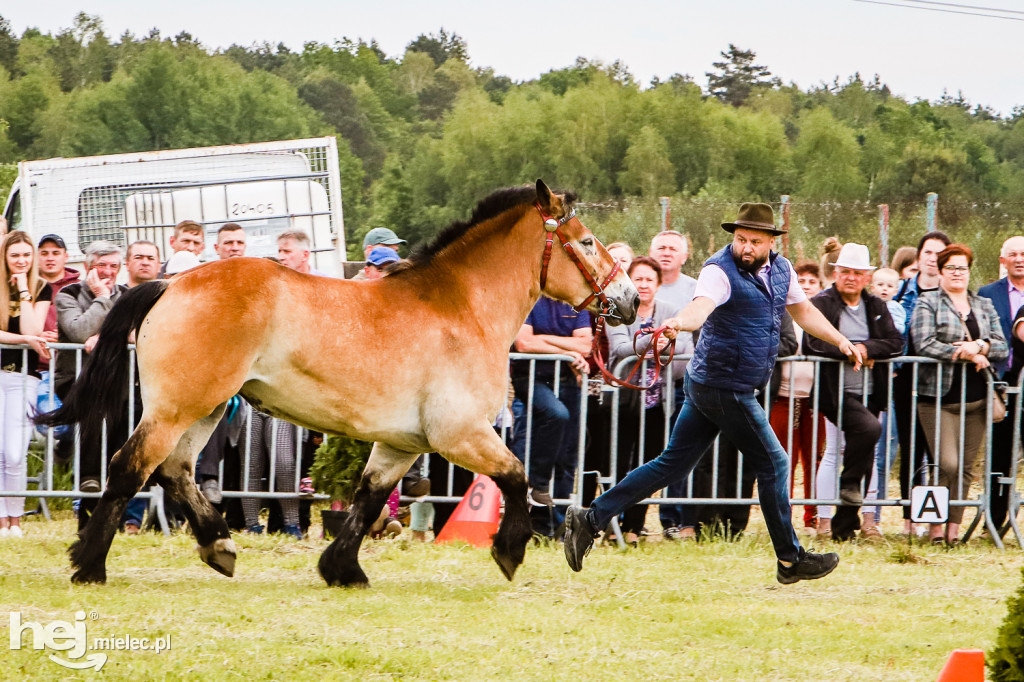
[{"x": 1006, "y": 659}]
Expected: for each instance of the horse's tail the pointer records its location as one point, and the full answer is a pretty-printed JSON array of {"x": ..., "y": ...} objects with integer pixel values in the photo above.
[{"x": 100, "y": 391}]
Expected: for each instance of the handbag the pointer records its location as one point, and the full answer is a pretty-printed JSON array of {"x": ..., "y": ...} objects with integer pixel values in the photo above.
[{"x": 998, "y": 387}]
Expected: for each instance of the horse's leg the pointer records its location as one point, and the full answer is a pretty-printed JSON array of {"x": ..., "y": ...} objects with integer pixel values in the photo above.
[
  {"x": 129, "y": 469},
  {"x": 339, "y": 564},
  {"x": 177, "y": 476},
  {"x": 483, "y": 452}
]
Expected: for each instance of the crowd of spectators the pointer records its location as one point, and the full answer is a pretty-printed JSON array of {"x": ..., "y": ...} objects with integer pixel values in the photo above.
[{"x": 844, "y": 430}]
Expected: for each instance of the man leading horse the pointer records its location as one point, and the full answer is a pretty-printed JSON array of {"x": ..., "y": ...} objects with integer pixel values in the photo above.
[{"x": 738, "y": 304}]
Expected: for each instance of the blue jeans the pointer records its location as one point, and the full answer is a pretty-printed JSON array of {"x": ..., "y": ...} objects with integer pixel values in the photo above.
[
  {"x": 880, "y": 457},
  {"x": 554, "y": 440},
  {"x": 706, "y": 412},
  {"x": 678, "y": 515}
]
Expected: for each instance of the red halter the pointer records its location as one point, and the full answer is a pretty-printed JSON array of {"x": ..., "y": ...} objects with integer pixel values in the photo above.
[{"x": 554, "y": 228}]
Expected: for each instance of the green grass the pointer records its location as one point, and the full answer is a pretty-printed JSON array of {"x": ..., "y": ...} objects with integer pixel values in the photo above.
[{"x": 708, "y": 611}]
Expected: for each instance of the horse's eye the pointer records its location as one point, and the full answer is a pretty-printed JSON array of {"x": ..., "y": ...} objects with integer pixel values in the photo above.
[{"x": 588, "y": 242}]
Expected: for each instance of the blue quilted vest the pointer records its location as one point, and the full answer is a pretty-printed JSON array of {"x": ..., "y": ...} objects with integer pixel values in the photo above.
[{"x": 740, "y": 339}]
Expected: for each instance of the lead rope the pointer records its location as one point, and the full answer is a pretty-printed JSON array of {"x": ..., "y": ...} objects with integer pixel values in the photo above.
[{"x": 595, "y": 351}]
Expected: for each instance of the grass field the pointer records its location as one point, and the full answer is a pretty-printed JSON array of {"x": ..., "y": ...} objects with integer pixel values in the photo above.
[{"x": 707, "y": 611}]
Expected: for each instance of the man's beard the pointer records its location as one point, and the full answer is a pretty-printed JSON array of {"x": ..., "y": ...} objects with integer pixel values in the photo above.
[{"x": 753, "y": 267}]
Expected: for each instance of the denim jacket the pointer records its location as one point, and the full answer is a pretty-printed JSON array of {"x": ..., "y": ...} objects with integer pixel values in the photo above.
[{"x": 936, "y": 325}]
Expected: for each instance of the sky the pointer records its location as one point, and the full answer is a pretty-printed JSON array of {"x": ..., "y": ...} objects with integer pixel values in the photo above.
[{"x": 917, "y": 53}]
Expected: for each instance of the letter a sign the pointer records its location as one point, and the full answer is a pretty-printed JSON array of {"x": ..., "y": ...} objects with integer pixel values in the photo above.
[{"x": 929, "y": 504}]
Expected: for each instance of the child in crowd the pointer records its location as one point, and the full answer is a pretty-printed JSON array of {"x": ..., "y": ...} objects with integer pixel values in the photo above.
[{"x": 884, "y": 284}]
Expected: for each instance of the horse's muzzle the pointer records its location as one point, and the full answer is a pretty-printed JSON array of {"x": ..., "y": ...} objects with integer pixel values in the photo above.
[{"x": 622, "y": 308}]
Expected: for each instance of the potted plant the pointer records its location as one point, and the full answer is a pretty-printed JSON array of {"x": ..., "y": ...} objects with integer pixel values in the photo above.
[{"x": 337, "y": 467}]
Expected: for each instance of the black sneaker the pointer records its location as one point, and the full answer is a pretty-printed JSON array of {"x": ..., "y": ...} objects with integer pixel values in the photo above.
[
  {"x": 579, "y": 537},
  {"x": 810, "y": 567}
]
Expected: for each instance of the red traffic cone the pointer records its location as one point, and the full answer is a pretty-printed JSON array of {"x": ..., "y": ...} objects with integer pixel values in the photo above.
[
  {"x": 475, "y": 520},
  {"x": 964, "y": 665}
]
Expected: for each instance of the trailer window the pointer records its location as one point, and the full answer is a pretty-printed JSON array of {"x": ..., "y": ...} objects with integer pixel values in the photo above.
[{"x": 13, "y": 214}]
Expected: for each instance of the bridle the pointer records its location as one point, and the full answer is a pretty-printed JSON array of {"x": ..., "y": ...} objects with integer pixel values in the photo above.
[{"x": 553, "y": 228}]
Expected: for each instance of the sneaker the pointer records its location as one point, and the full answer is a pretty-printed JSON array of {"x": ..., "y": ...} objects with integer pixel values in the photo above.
[
  {"x": 90, "y": 485},
  {"x": 306, "y": 489},
  {"x": 131, "y": 528},
  {"x": 672, "y": 533},
  {"x": 810, "y": 567},
  {"x": 417, "y": 488},
  {"x": 392, "y": 529},
  {"x": 579, "y": 537},
  {"x": 255, "y": 530},
  {"x": 541, "y": 498},
  {"x": 293, "y": 531},
  {"x": 15, "y": 532},
  {"x": 210, "y": 489},
  {"x": 4, "y": 532}
]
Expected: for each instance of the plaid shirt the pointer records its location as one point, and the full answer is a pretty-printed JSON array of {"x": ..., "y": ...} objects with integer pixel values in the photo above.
[{"x": 936, "y": 325}]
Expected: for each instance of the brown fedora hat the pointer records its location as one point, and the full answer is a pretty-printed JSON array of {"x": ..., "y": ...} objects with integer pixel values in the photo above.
[{"x": 755, "y": 217}]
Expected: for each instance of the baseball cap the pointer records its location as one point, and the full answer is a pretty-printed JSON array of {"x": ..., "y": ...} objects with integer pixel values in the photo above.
[
  {"x": 381, "y": 256},
  {"x": 55, "y": 238},
  {"x": 381, "y": 235}
]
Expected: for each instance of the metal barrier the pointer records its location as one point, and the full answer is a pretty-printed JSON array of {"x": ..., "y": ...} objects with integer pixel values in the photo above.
[{"x": 45, "y": 481}]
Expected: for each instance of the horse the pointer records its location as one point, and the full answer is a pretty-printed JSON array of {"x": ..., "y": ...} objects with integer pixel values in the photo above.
[{"x": 414, "y": 362}]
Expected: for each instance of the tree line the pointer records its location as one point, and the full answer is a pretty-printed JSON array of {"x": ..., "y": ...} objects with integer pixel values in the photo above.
[{"x": 424, "y": 135}]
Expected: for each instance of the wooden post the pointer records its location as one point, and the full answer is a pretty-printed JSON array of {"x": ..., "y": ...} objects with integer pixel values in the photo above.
[
  {"x": 883, "y": 235},
  {"x": 785, "y": 224},
  {"x": 932, "y": 203},
  {"x": 666, "y": 223}
]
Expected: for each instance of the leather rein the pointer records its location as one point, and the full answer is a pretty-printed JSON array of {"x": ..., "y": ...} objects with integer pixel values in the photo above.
[{"x": 553, "y": 228}]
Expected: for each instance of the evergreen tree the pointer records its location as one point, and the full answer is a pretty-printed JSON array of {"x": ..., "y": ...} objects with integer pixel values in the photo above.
[{"x": 737, "y": 75}]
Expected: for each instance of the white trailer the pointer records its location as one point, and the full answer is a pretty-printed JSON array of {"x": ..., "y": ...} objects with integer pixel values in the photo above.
[{"x": 266, "y": 187}]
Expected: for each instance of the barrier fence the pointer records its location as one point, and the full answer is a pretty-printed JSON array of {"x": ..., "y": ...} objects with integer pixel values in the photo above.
[{"x": 600, "y": 408}]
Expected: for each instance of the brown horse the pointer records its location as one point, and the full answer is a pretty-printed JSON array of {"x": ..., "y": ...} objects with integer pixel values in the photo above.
[{"x": 311, "y": 350}]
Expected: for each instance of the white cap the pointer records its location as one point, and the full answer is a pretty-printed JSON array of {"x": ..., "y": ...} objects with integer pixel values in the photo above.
[{"x": 180, "y": 262}]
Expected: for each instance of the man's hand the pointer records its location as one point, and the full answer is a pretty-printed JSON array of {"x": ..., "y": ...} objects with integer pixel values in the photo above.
[
  {"x": 852, "y": 352},
  {"x": 579, "y": 363},
  {"x": 98, "y": 287},
  {"x": 673, "y": 326},
  {"x": 868, "y": 362}
]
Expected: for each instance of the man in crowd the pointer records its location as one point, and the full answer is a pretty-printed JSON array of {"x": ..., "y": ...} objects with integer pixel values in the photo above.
[
  {"x": 551, "y": 327},
  {"x": 738, "y": 304},
  {"x": 1007, "y": 295},
  {"x": 863, "y": 319},
  {"x": 230, "y": 241},
  {"x": 188, "y": 236},
  {"x": 53, "y": 258},
  {"x": 913, "y": 460},
  {"x": 377, "y": 261},
  {"x": 143, "y": 262},
  {"x": 376, "y": 238},
  {"x": 293, "y": 251},
  {"x": 81, "y": 309},
  {"x": 671, "y": 249}
]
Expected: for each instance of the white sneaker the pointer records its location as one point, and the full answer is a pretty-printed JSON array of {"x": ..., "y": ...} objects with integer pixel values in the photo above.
[
  {"x": 15, "y": 532},
  {"x": 4, "y": 532}
]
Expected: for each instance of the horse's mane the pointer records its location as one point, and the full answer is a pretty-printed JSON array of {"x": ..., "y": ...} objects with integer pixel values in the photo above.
[{"x": 490, "y": 207}]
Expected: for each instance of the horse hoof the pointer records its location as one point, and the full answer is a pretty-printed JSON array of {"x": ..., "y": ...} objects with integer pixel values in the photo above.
[
  {"x": 505, "y": 563},
  {"x": 87, "y": 577},
  {"x": 220, "y": 556}
]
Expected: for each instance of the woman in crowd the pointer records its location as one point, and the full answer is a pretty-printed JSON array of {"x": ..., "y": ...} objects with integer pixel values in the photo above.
[
  {"x": 622, "y": 252},
  {"x": 651, "y": 404},
  {"x": 954, "y": 325},
  {"x": 830, "y": 249},
  {"x": 797, "y": 380},
  {"x": 24, "y": 302},
  {"x": 904, "y": 261}
]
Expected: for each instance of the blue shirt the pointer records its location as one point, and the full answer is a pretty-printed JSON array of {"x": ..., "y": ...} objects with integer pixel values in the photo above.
[{"x": 553, "y": 318}]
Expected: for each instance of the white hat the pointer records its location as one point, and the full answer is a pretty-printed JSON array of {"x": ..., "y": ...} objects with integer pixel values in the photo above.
[
  {"x": 854, "y": 257},
  {"x": 180, "y": 262}
]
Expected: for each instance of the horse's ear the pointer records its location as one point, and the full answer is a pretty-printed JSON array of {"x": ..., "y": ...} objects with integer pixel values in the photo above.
[{"x": 544, "y": 196}]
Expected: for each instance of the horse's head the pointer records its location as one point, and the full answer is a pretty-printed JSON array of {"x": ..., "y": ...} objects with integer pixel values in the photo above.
[{"x": 576, "y": 267}]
